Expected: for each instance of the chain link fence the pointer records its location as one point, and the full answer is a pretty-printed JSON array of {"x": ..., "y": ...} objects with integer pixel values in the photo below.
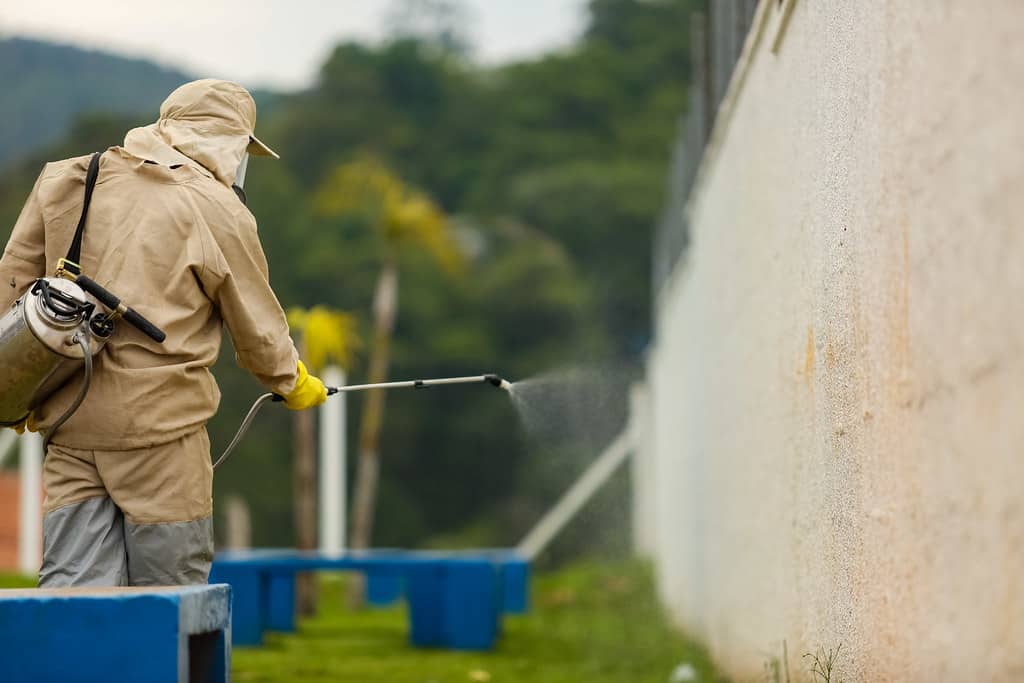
[{"x": 717, "y": 37}]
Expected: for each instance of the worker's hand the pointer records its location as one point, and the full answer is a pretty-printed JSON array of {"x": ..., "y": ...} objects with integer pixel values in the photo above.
[
  {"x": 309, "y": 391},
  {"x": 28, "y": 423}
]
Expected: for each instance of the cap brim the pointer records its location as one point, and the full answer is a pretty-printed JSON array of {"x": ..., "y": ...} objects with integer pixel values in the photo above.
[{"x": 257, "y": 148}]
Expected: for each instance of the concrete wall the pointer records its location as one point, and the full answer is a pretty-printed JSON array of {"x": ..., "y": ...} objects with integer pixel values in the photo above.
[{"x": 837, "y": 387}]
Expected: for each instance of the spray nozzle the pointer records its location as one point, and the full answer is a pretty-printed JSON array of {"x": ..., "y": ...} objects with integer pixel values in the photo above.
[{"x": 498, "y": 382}]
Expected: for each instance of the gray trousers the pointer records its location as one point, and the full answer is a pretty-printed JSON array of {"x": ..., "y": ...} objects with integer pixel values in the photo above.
[
  {"x": 138, "y": 517},
  {"x": 91, "y": 544}
]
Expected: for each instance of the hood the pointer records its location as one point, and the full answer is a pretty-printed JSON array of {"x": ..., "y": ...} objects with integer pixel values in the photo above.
[{"x": 208, "y": 122}]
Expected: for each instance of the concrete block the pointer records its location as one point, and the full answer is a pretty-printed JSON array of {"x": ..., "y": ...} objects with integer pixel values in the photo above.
[{"x": 145, "y": 635}]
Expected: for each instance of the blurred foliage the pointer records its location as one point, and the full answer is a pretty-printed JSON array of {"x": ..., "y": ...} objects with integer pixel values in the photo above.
[
  {"x": 439, "y": 22},
  {"x": 404, "y": 218},
  {"x": 551, "y": 172}
]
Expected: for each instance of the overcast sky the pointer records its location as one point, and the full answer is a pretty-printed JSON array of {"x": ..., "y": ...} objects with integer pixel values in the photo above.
[{"x": 278, "y": 43}]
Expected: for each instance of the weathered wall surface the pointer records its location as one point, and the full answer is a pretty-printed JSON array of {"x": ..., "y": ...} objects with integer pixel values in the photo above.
[{"x": 837, "y": 387}]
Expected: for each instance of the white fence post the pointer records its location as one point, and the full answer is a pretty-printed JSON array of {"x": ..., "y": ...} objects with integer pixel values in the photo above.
[
  {"x": 30, "y": 507},
  {"x": 7, "y": 441},
  {"x": 642, "y": 470},
  {"x": 333, "y": 504}
]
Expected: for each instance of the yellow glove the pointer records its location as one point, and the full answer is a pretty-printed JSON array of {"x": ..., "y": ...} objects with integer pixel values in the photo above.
[{"x": 308, "y": 392}]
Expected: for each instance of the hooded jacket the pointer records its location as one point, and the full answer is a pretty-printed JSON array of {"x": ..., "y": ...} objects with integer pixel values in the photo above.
[{"x": 167, "y": 234}]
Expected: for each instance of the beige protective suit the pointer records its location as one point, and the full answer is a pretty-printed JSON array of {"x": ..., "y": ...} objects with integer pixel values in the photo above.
[{"x": 128, "y": 478}]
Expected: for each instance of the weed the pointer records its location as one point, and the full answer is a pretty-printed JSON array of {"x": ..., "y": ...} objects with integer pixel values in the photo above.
[{"x": 823, "y": 663}]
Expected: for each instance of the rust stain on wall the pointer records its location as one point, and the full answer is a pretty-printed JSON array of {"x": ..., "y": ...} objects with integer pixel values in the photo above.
[
  {"x": 809, "y": 355},
  {"x": 831, "y": 360}
]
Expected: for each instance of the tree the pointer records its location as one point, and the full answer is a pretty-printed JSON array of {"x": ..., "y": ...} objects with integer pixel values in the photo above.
[
  {"x": 438, "y": 22},
  {"x": 323, "y": 335},
  {"x": 402, "y": 219}
]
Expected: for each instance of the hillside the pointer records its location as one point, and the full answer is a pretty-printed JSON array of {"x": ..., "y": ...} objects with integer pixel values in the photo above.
[{"x": 46, "y": 86}]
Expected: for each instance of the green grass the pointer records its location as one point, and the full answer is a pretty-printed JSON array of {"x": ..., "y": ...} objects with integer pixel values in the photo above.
[
  {"x": 16, "y": 581},
  {"x": 588, "y": 624}
]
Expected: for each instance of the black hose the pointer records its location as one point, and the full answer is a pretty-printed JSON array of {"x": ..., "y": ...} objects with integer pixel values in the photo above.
[
  {"x": 244, "y": 427},
  {"x": 82, "y": 339}
]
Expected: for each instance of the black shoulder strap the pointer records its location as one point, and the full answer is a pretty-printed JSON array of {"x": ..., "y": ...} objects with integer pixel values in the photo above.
[{"x": 75, "y": 252}]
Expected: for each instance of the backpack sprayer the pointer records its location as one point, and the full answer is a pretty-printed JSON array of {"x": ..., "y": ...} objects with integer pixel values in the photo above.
[{"x": 56, "y": 328}]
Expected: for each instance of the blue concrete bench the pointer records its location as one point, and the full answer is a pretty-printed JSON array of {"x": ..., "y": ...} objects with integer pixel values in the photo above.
[
  {"x": 384, "y": 588},
  {"x": 148, "y": 635},
  {"x": 455, "y": 600}
]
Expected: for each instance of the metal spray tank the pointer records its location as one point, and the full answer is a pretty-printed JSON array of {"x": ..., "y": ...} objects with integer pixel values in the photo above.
[{"x": 45, "y": 338}]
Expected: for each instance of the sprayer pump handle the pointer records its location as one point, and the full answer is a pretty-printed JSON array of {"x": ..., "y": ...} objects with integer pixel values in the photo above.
[{"x": 114, "y": 304}]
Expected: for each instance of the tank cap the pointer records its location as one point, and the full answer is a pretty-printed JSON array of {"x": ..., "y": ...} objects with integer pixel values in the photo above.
[{"x": 61, "y": 302}]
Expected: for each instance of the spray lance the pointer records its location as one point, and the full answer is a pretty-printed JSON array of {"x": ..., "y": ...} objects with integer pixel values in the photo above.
[{"x": 493, "y": 380}]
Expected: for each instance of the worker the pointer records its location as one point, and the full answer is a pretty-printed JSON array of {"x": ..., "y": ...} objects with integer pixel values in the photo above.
[{"x": 128, "y": 478}]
